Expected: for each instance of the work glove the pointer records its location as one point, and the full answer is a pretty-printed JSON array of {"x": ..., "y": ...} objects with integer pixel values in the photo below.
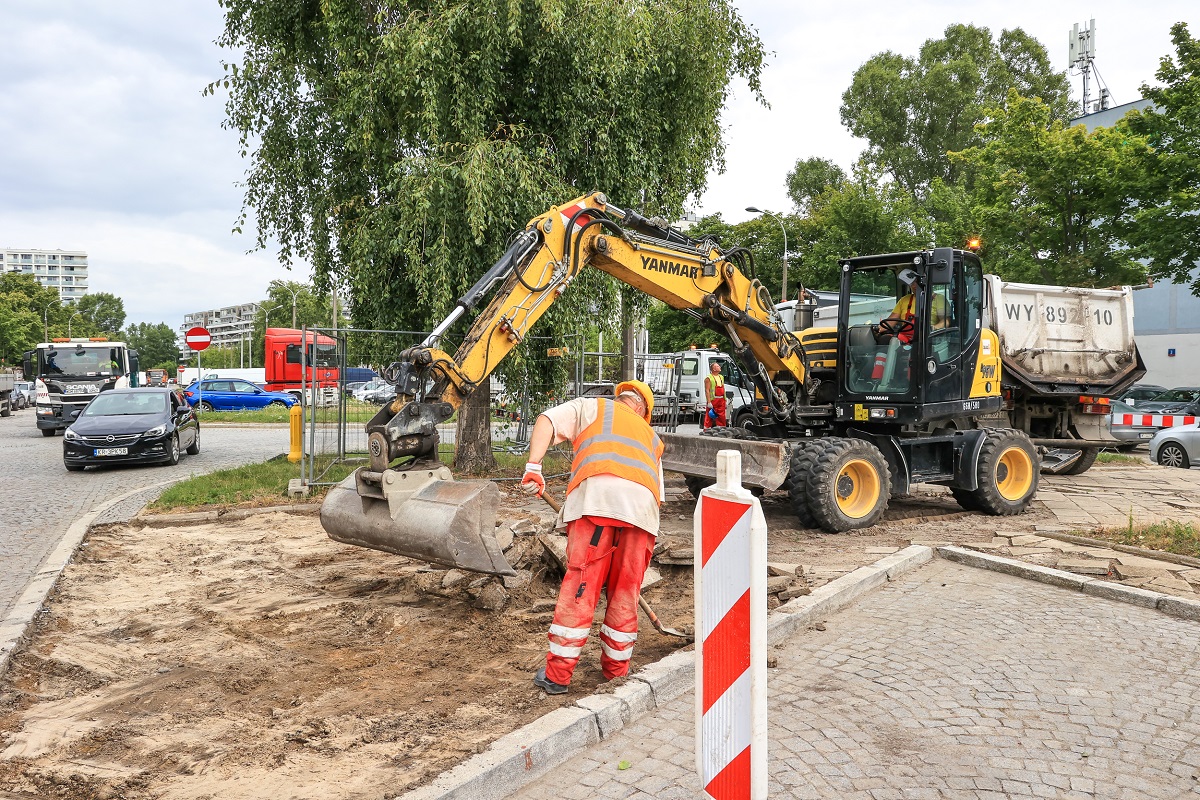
[{"x": 533, "y": 482}]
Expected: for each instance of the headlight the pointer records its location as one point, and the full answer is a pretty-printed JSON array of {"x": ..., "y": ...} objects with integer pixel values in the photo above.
[
  {"x": 71, "y": 436},
  {"x": 157, "y": 430}
]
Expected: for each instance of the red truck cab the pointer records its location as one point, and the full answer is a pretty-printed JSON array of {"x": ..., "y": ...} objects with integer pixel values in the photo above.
[{"x": 290, "y": 369}]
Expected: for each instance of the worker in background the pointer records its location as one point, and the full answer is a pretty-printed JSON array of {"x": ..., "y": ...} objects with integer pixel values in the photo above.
[
  {"x": 714, "y": 397},
  {"x": 904, "y": 315},
  {"x": 611, "y": 517}
]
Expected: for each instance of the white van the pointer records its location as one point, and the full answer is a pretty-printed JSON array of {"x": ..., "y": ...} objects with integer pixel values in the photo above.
[{"x": 692, "y": 366}]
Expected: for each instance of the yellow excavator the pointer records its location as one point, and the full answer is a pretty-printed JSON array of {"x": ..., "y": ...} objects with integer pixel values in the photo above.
[{"x": 845, "y": 417}]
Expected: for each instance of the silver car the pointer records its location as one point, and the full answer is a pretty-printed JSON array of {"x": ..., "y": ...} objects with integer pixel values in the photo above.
[{"x": 1177, "y": 447}]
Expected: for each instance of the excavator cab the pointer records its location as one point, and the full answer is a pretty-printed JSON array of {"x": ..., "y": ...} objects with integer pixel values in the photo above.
[{"x": 914, "y": 347}]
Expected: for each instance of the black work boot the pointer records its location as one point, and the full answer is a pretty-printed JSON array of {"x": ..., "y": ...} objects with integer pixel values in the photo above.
[{"x": 546, "y": 685}]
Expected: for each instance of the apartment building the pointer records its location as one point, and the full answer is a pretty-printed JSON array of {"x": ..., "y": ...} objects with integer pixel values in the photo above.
[
  {"x": 231, "y": 326},
  {"x": 63, "y": 270}
]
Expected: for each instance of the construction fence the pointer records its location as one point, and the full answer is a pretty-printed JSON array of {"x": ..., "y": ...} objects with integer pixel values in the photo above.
[{"x": 549, "y": 371}]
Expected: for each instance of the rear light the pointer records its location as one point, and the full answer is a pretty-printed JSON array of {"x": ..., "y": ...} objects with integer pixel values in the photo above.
[
  {"x": 1008, "y": 399},
  {"x": 1096, "y": 408},
  {"x": 189, "y": 394},
  {"x": 1090, "y": 400}
]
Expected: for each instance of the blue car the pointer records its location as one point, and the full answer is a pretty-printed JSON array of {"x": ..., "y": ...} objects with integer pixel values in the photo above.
[{"x": 231, "y": 394}]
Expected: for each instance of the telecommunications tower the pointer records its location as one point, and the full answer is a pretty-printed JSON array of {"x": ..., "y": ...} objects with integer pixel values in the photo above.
[{"x": 1081, "y": 50}]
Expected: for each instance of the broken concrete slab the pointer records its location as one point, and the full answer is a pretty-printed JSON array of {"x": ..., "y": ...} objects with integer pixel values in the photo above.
[
  {"x": 777, "y": 568},
  {"x": 1085, "y": 566}
]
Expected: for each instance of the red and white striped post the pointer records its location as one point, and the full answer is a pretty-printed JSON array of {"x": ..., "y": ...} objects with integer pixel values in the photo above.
[{"x": 731, "y": 637}]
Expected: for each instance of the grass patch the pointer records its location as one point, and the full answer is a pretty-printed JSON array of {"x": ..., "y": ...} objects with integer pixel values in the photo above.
[
  {"x": 1181, "y": 538},
  {"x": 1120, "y": 458},
  {"x": 248, "y": 486},
  {"x": 355, "y": 412},
  {"x": 265, "y": 483}
]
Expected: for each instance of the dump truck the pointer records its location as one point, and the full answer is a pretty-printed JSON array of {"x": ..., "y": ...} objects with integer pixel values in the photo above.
[{"x": 850, "y": 416}]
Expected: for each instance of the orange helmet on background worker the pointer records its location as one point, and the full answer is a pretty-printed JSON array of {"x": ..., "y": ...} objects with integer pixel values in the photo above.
[{"x": 642, "y": 390}]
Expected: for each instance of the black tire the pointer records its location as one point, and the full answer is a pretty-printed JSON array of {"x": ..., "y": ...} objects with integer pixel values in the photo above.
[
  {"x": 849, "y": 485},
  {"x": 744, "y": 420},
  {"x": 696, "y": 484},
  {"x": 1172, "y": 454},
  {"x": 1087, "y": 458},
  {"x": 966, "y": 499},
  {"x": 804, "y": 456},
  {"x": 47, "y": 431},
  {"x": 206, "y": 406},
  {"x": 173, "y": 452},
  {"x": 6, "y": 408},
  {"x": 194, "y": 448},
  {"x": 1008, "y": 473},
  {"x": 276, "y": 403},
  {"x": 73, "y": 467}
]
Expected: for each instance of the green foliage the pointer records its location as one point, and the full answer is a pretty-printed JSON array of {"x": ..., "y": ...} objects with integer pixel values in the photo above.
[
  {"x": 27, "y": 310},
  {"x": 860, "y": 215},
  {"x": 155, "y": 343},
  {"x": 809, "y": 178},
  {"x": 1056, "y": 204},
  {"x": 1165, "y": 222},
  {"x": 395, "y": 145},
  {"x": 912, "y": 111},
  {"x": 100, "y": 314}
]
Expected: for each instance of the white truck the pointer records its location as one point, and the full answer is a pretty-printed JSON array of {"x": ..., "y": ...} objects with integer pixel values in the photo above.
[
  {"x": 690, "y": 367},
  {"x": 68, "y": 373},
  {"x": 1065, "y": 350}
]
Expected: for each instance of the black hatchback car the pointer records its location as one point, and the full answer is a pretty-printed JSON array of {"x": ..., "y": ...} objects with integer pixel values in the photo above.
[{"x": 132, "y": 426}]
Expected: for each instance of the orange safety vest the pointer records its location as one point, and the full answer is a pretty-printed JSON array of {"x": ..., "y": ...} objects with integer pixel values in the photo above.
[{"x": 618, "y": 443}]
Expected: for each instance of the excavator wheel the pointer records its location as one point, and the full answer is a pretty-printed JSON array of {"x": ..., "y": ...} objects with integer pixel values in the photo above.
[
  {"x": 849, "y": 485},
  {"x": 1007, "y": 472},
  {"x": 804, "y": 455}
]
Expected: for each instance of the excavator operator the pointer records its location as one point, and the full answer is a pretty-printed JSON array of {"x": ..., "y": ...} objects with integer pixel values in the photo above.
[
  {"x": 901, "y": 323},
  {"x": 611, "y": 516}
]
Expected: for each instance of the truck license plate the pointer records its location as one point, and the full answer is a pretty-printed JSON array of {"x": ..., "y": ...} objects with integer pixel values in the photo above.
[
  {"x": 112, "y": 451},
  {"x": 1146, "y": 435}
]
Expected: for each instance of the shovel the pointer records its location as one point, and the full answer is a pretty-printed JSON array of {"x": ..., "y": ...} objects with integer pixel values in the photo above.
[{"x": 658, "y": 626}]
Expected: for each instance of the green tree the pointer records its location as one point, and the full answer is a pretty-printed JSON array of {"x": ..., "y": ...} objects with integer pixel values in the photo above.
[
  {"x": 912, "y": 111},
  {"x": 100, "y": 313},
  {"x": 809, "y": 178},
  {"x": 1166, "y": 219},
  {"x": 863, "y": 214},
  {"x": 396, "y": 145},
  {"x": 29, "y": 313},
  {"x": 155, "y": 343},
  {"x": 1055, "y": 204}
]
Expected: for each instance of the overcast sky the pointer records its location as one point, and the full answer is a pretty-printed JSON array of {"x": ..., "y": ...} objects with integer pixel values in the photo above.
[{"x": 107, "y": 145}]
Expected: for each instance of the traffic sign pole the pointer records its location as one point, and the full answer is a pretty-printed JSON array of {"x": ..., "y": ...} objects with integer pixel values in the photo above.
[{"x": 198, "y": 338}]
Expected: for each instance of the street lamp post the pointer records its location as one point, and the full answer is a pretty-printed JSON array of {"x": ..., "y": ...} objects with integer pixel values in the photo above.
[
  {"x": 69, "y": 321},
  {"x": 753, "y": 210},
  {"x": 293, "y": 293}
]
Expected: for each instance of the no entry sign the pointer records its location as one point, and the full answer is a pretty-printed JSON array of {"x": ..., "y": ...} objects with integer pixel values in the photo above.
[{"x": 198, "y": 338}]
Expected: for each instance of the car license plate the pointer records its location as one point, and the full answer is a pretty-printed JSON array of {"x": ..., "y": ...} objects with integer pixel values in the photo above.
[
  {"x": 112, "y": 451},
  {"x": 1146, "y": 435}
]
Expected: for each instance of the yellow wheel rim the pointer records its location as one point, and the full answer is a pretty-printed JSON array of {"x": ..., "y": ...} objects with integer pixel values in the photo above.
[
  {"x": 1014, "y": 473},
  {"x": 857, "y": 489}
]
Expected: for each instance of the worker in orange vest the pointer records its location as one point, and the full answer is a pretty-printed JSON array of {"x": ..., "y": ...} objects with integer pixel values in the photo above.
[
  {"x": 611, "y": 517},
  {"x": 714, "y": 396}
]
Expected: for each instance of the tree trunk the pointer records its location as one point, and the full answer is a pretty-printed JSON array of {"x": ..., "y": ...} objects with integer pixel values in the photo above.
[{"x": 474, "y": 452}]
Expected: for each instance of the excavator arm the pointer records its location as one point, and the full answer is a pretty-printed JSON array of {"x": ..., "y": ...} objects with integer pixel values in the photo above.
[
  {"x": 538, "y": 268},
  {"x": 405, "y": 502}
]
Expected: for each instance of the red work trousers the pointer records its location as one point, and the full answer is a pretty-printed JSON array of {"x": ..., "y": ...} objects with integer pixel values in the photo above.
[
  {"x": 601, "y": 553},
  {"x": 717, "y": 419}
]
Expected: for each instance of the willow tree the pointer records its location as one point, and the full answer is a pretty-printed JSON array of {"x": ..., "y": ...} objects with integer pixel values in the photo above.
[{"x": 395, "y": 146}]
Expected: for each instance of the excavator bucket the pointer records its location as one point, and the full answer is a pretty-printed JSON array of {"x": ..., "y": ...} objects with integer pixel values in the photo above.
[
  {"x": 764, "y": 464},
  {"x": 421, "y": 514}
]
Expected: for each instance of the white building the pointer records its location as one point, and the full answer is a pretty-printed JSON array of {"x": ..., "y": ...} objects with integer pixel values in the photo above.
[
  {"x": 63, "y": 270},
  {"x": 231, "y": 326}
]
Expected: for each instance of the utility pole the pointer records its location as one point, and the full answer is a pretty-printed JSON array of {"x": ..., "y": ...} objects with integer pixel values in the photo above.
[{"x": 783, "y": 289}]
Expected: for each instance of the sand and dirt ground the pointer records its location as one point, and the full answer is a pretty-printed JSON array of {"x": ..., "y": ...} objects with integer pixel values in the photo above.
[{"x": 257, "y": 659}]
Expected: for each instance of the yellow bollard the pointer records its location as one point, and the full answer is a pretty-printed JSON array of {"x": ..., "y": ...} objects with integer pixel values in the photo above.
[{"x": 297, "y": 428}]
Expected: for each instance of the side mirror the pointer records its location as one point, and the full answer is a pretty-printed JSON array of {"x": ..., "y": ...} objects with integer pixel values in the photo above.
[{"x": 75, "y": 413}]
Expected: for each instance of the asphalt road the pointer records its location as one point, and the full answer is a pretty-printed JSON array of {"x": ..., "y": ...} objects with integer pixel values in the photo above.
[{"x": 40, "y": 499}]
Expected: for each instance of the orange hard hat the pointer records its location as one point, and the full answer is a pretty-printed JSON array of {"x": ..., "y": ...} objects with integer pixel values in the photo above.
[{"x": 642, "y": 390}]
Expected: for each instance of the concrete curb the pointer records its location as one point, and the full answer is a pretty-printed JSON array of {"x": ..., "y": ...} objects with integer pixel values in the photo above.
[
  {"x": 529, "y": 752},
  {"x": 1165, "y": 603},
  {"x": 14, "y": 627}
]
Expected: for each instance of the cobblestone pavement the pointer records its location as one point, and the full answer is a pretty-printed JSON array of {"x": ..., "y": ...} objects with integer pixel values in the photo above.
[
  {"x": 1113, "y": 496},
  {"x": 40, "y": 499},
  {"x": 950, "y": 683}
]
